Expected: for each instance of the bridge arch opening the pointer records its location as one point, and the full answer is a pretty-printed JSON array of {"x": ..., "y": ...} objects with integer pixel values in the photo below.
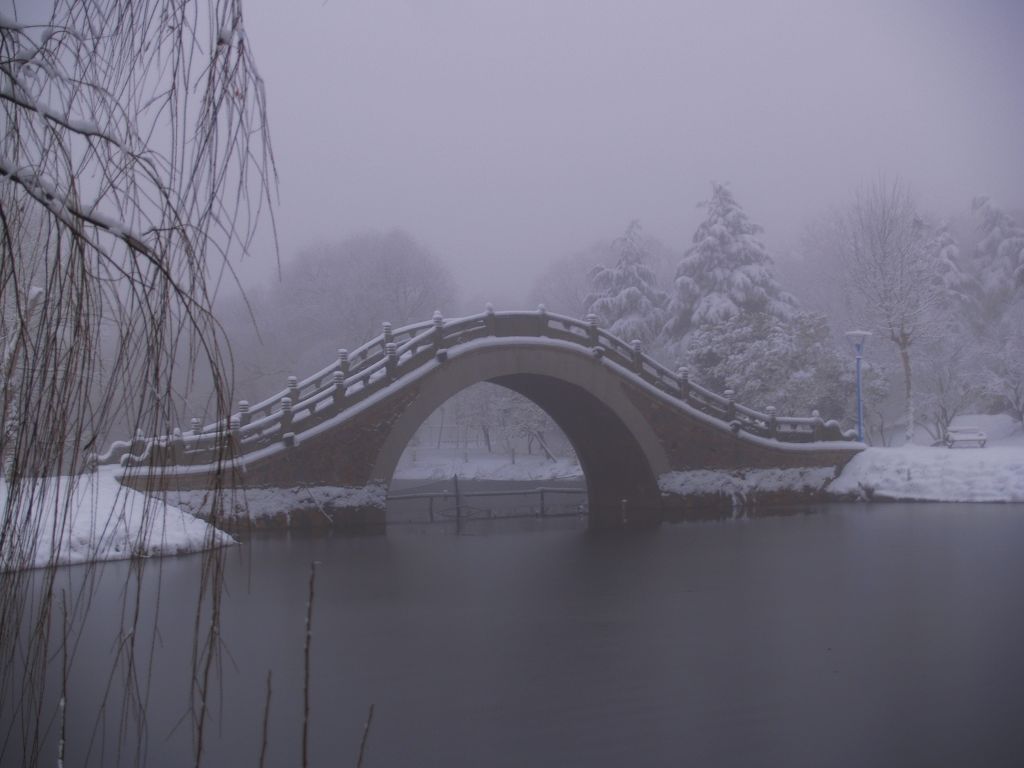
[{"x": 617, "y": 450}]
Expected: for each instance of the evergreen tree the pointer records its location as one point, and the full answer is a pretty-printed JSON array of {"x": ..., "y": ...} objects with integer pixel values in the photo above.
[
  {"x": 790, "y": 363},
  {"x": 998, "y": 262},
  {"x": 725, "y": 273},
  {"x": 626, "y": 297}
]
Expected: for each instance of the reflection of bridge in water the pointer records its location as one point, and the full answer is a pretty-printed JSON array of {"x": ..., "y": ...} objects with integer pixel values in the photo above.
[{"x": 629, "y": 419}]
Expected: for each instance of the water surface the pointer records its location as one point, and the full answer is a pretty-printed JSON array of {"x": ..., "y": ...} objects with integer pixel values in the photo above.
[{"x": 857, "y": 635}]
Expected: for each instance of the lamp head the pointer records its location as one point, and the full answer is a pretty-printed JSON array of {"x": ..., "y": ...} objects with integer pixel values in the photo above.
[{"x": 857, "y": 338}]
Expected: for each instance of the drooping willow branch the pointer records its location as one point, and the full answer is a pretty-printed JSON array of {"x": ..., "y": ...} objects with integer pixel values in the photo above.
[{"x": 135, "y": 161}]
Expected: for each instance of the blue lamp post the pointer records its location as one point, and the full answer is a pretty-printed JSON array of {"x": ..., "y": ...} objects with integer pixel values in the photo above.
[{"x": 857, "y": 338}]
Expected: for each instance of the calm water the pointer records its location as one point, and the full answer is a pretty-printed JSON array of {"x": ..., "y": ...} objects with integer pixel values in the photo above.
[{"x": 860, "y": 635}]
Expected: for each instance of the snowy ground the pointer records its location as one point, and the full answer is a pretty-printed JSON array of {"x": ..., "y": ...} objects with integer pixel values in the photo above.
[
  {"x": 438, "y": 465},
  {"x": 992, "y": 473},
  {"x": 106, "y": 522}
]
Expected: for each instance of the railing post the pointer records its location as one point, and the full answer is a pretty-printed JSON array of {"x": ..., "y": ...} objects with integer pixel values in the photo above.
[
  {"x": 489, "y": 320},
  {"x": 438, "y": 319},
  {"x": 592, "y": 329},
  {"x": 177, "y": 448},
  {"x": 730, "y": 405},
  {"x": 293, "y": 388},
  {"x": 196, "y": 425},
  {"x": 542, "y": 320},
  {"x": 818, "y": 425},
  {"x": 386, "y": 336},
  {"x": 773, "y": 422},
  {"x": 339, "y": 390},
  {"x": 638, "y": 355},
  {"x": 244, "y": 417},
  {"x": 391, "y": 360},
  {"x": 683, "y": 374},
  {"x": 343, "y": 362},
  {"x": 286, "y": 414},
  {"x": 234, "y": 437}
]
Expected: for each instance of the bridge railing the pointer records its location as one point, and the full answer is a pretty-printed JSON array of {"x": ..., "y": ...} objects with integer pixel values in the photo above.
[{"x": 358, "y": 375}]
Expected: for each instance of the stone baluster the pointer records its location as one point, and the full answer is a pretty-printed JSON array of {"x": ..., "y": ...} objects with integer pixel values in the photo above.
[
  {"x": 683, "y": 373},
  {"x": 386, "y": 336},
  {"x": 244, "y": 417},
  {"x": 773, "y": 422},
  {"x": 293, "y": 388},
  {"x": 638, "y": 355},
  {"x": 343, "y": 362},
  {"x": 197, "y": 425},
  {"x": 542, "y": 320},
  {"x": 730, "y": 405},
  {"x": 391, "y": 360},
  {"x": 818, "y": 425},
  {"x": 176, "y": 452},
  {"x": 286, "y": 414},
  {"x": 339, "y": 390},
  {"x": 234, "y": 436},
  {"x": 591, "y": 329},
  {"x": 490, "y": 322},
  {"x": 439, "y": 345}
]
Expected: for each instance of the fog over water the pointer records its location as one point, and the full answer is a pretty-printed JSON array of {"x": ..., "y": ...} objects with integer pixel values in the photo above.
[{"x": 505, "y": 134}]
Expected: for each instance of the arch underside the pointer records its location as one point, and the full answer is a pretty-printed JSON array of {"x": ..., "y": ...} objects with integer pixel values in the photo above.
[{"x": 619, "y": 453}]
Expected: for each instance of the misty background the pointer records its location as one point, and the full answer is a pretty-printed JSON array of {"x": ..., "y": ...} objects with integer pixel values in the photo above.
[
  {"x": 502, "y": 135},
  {"x": 447, "y": 155}
]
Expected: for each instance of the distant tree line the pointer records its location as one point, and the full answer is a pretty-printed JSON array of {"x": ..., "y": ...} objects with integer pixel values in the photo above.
[{"x": 946, "y": 310}]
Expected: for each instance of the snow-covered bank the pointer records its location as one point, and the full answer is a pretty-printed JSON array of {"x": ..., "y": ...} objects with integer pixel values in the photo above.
[
  {"x": 258, "y": 506},
  {"x": 105, "y": 522},
  {"x": 444, "y": 464},
  {"x": 994, "y": 473},
  {"x": 742, "y": 482}
]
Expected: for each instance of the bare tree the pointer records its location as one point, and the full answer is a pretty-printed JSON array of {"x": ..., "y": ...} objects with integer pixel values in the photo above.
[
  {"x": 134, "y": 158},
  {"x": 889, "y": 268}
]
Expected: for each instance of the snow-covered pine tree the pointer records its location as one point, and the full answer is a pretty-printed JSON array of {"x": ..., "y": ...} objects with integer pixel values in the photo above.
[
  {"x": 998, "y": 262},
  {"x": 626, "y": 297},
  {"x": 725, "y": 273}
]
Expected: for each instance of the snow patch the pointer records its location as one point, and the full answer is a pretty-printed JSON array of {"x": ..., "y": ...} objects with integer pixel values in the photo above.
[
  {"x": 741, "y": 482},
  {"x": 105, "y": 521},
  {"x": 264, "y": 503},
  {"x": 995, "y": 473}
]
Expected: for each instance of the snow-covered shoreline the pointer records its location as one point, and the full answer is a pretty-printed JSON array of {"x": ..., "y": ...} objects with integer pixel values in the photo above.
[
  {"x": 917, "y": 473},
  {"x": 105, "y": 521}
]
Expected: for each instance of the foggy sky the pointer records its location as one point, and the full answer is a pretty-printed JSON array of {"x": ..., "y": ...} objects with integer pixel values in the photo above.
[{"x": 503, "y": 134}]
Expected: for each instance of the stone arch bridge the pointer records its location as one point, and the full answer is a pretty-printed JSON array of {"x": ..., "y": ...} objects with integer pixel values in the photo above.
[{"x": 630, "y": 420}]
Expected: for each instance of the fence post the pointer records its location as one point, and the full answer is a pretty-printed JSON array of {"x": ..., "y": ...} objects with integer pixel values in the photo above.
[
  {"x": 386, "y": 335},
  {"x": 818, "y": 424},
  {"x": 343, "y": 361},
  {"x": 730, "y": 405},
  {"x": 458, "y": 505},
  {"x": 773, "y": 422},
  {"x": 244, "y": 417},
  {"x": 196, "y": 425},
  {"x": 293, "y": 388}
]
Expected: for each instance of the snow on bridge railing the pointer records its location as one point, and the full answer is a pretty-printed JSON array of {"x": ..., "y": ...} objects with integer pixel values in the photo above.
[{"x": 358, "y": 374}]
